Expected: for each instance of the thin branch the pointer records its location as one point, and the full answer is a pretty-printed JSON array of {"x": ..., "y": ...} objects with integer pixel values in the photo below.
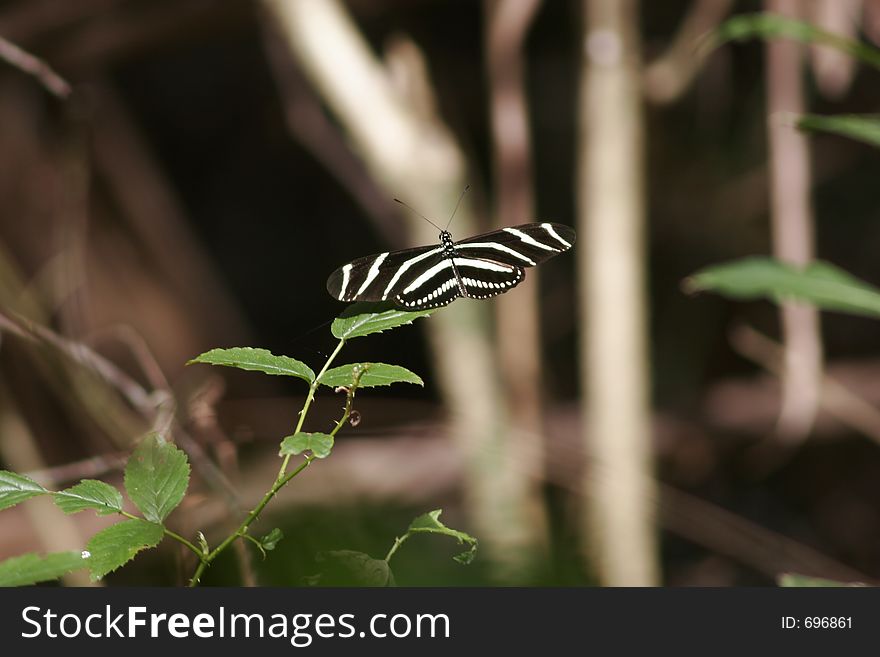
[
  {"x": 35, "y": 67},
  {"x": 669, "y": 76},
  {"x": 847, "y": 407},
  {"x": 90, "y": 468},
  {"x": 79, "y": 353},
  {"x": 150, "y": 405}
]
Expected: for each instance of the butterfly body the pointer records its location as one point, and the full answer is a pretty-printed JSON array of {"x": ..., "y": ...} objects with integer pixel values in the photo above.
[{"x": 432, "y": 276}]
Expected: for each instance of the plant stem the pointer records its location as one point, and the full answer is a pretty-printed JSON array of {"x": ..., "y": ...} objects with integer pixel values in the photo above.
[
  {"x": 170, "y": 534},
  {"x": 181, "y": 539},
  {"x": 283, "y": 476},
  {"x": 251, "y": 517},
  {"x": 305, "y": 409},
  {"x": 398, "y": 541}
]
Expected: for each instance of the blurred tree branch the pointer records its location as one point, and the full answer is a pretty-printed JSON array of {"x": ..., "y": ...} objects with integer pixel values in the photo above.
[
  {"x": 670, "y": 74},
  {"x": 618, "y": 524},
  {"x": 833, "y": 69},
  {"x": 846, "y": 406},
  {"x": 405, "y": 149},
  {"x": 792, "y": 227},
  {"x": 35, "y": 67},
  {"x": 156, "y": 407},
  {"x": 309, "y": 125}
]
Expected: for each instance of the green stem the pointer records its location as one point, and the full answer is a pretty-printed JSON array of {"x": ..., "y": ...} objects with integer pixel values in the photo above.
[
  {"x": 170, "y": 534},
  {"x": 283, "y": 476},
  {"x": 397, "y": 543},
  {"x": 251, "y": 517},
  {"x": 311, "y": 395}
]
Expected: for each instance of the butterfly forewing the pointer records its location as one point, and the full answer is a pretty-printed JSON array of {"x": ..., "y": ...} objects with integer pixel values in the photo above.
[
  {"x": 432, "y": 276},
  {"x": 526, "y": 245},
  {"x": 378, "y": 277}
]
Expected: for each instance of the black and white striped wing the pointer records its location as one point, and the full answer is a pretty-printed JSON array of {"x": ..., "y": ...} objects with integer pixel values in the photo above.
[
  {"x": 433, "y": 287},
  {"x": 381, "y": 276},
  {"x": 432, "y": 276},
  {"x": 456, "y": 276},
  {"x": 525, "y": 245}
]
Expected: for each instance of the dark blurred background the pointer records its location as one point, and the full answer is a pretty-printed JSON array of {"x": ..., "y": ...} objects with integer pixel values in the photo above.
[{"x": 168, "y": 207}]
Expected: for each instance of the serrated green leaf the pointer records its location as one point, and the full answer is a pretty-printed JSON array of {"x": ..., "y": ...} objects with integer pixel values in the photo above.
[
  {"x": 373, "y": 374},
  {"x": 317, "y": 443},
  {"x": 774, "y": 26},
  {"x": 156, "y": 477},
  {"x": 89, "y": 494},
  {"x": 351, "y": 568},
  {"x": 430, "y": 523},
  {"x": 256, "y": 360},
  {"x": 820, "y": 284},
  {"x": 270, "y": 541},
  {"x": 864, "y": 128},
  {"x": 16, "y": 488},
  {"x": 32, "y": 568},
  {"x": 358, "y": 320},
  {"x": 117, "y": 544},
  {"x": 799, "y": 581}
]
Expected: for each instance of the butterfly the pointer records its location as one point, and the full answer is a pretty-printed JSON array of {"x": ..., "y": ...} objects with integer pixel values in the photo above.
[{"x": 433, "y": 276}]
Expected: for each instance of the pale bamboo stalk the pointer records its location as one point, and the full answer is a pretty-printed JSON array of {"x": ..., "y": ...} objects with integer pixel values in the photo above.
[
  {"x": 792, "y": 228},
  {"x": 414, "y": 155},
  {"x": 619, "y": 484}
]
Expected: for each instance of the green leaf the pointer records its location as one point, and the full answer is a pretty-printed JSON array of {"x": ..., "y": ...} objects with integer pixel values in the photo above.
[
  {"x": 256, "y": 360},
  {"x": 795, "y": 580},
  {"x": 774, "y": 26},
  {"x": 351, "y": 568},
  {"x": 373, "y": 374},
  {"x": 820, "y": 284},
  {"x": 116, "y": 545},
  {"x": 156, "y": 477},
  {"x": 864, "y": 128},
  {"x": 15, "y": 488},
  {"x": 270, "y": 541},
  {"x": 89, "y": 494},
  {"x": 32, "y": 568},
  {"x": 319, "y": 444},
  {"x": 358, "y": 320},
  {"x": 430, "y": 523}
]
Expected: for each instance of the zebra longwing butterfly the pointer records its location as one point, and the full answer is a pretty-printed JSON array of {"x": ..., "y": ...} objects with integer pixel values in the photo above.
[{"x": 432, "y": 276}]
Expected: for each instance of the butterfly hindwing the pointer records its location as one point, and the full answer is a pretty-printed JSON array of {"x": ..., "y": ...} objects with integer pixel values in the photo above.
[
  {"x": 483, "y": 278},
  {"x": 435, "y": 286}
]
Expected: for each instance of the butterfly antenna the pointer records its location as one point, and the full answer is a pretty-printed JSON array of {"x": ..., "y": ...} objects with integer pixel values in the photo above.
[
  {"x": 461, "y": 196},
  {"x": 412, "y": 209}
]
